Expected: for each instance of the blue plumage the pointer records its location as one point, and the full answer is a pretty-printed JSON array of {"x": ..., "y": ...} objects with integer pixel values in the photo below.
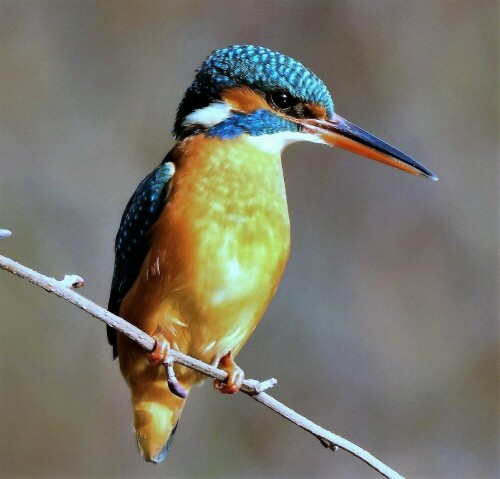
[
  {"x": 260, "y": 122},
  {"x": 132, "y": 243},
  {"x": 265, "y": 69}
]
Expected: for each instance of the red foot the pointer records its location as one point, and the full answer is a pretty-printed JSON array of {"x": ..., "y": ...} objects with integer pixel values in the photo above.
[
  {"x": 235, "y": 376},
  {"x": 160, "y": 351}
]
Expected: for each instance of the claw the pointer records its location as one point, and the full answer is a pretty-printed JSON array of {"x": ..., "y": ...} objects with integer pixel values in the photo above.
[
  {"x": 173, "y": 383},
  {"x": 160, "y": 351},
  {"x": 235, "y": 376}
]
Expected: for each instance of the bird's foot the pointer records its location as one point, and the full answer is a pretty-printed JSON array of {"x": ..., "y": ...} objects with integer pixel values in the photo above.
[
  {"x": 160, "y": 352},
  {"x": 235, "y": 376}
]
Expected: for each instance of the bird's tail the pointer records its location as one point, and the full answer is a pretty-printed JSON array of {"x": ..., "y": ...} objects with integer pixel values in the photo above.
[{"x": 156, "y": 414}]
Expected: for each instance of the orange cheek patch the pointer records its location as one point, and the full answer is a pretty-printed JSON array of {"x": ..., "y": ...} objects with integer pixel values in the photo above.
[{"x": 244, "y": 99}]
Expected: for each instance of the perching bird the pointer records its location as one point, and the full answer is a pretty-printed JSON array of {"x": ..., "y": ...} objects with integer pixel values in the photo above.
[{"x": 205, "y": 238}]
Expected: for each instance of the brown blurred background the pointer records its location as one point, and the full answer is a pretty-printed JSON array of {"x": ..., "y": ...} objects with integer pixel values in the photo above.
[{"x": 384, "y": 328}]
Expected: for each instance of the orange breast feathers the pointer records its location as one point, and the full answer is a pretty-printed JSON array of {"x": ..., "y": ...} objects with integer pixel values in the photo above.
[{"x": 218, "y": 249}]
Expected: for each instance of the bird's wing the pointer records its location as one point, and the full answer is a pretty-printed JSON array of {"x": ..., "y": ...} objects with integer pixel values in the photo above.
[{"x": 132, "y": 240}]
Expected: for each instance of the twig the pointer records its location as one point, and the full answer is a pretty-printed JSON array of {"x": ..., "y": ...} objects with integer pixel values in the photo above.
[{"x": 250, "y": 387}]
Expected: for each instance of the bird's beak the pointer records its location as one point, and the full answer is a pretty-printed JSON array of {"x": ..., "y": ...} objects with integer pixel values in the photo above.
[{"x": 337, "y": 131}]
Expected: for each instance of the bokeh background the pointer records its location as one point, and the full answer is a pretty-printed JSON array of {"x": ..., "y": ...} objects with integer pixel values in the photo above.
[{"x": 385, "y": 326}]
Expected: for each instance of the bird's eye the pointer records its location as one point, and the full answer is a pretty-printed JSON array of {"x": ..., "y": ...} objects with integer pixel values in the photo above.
[{"x": 282, "y": 100}]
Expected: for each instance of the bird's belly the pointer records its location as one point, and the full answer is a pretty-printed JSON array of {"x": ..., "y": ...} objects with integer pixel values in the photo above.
[{"x": 235, "y": 276}]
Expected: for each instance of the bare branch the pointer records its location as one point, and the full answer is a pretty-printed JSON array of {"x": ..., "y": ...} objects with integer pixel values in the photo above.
[{"x": 250, "y": 387}]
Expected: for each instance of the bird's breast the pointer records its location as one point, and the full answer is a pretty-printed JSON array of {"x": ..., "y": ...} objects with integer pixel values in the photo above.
[{"x": 222, "y": 241}]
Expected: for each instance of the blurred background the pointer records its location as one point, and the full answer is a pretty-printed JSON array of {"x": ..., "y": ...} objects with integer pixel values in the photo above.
[{"x": 385, "y": 326}]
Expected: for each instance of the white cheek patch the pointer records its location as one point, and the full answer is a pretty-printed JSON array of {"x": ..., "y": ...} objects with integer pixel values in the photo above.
[
  {"x": 276, "y": 142},
  {"x": 208, "y": 116}
]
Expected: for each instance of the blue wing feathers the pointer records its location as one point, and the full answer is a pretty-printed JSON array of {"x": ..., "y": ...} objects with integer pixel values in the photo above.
[{"x": 132, "y": 242}]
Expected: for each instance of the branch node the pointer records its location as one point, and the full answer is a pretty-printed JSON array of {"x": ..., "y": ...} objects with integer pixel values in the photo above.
[
  {"x": 328, "y": 444},
  {"x": 72, "y": 281},
  {"x": 263, "y": 385}
]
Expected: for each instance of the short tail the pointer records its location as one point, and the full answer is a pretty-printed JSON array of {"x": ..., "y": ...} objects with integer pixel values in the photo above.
[{"x": 156, "y": 415}]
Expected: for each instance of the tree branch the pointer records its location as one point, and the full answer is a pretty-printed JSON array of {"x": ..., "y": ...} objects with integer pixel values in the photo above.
[{"x": 251, "y": 387}]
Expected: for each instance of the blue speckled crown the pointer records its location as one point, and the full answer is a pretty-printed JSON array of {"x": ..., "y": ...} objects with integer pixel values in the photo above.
[{"x": 256, "y": 67}]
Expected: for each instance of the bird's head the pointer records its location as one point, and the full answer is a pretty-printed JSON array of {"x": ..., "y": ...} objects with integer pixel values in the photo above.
[{"x": 275, "y": 100}]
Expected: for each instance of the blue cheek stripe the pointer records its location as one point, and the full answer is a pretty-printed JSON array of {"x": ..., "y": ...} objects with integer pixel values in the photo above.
[{"x": 259, "y": 122}]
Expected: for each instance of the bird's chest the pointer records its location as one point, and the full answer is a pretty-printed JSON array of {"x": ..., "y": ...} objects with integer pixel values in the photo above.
[
  {"x": 229, "y": 213},
  {"x": 239, "y": 249}
]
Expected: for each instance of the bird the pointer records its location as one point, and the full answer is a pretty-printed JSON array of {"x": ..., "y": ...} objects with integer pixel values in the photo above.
[{"x": 204, "y": 239}]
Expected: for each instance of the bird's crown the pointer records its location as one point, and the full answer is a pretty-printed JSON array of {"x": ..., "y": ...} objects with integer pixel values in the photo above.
[{"x": 280, "y": 81}]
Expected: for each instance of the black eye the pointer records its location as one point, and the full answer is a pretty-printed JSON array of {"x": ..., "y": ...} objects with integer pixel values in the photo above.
[{"x": 282, "y": 100}]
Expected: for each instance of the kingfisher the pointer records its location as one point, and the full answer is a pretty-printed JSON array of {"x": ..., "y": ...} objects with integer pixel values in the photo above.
[{"x": 204, "y": 240}]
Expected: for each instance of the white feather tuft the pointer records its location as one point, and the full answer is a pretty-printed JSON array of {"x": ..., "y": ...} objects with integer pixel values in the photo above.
[{"x": 208, "y": 116}]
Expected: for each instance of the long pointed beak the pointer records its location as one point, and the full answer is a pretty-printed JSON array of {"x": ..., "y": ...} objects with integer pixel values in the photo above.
[{"x": 337, "y": 131}]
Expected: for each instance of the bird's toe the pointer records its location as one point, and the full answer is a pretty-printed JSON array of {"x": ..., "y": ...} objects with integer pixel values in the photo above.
[{"x": 235, "y": 376}]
